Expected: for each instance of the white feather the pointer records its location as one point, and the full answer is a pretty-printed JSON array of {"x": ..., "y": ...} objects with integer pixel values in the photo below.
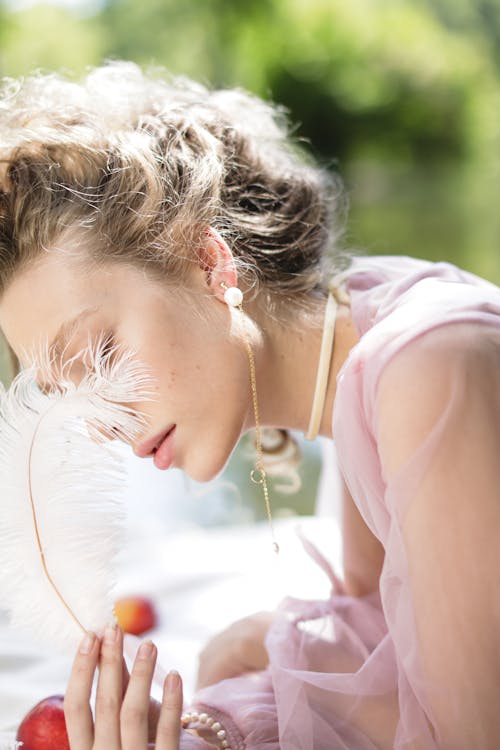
[{"x": 56, "y": 477}]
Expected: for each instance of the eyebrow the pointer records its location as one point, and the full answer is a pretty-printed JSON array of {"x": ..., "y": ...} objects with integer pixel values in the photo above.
[{"x": 68, "y": 328}]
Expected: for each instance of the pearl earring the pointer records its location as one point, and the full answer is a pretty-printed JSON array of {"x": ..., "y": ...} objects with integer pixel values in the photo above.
[{"x": 232, "y": 296}]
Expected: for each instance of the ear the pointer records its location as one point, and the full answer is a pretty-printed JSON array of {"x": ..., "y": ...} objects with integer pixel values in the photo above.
[{"x": 216, "y": 260}]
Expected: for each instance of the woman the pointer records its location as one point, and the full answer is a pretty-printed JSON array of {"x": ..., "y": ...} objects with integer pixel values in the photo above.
[{"x": 183, "y": 224}]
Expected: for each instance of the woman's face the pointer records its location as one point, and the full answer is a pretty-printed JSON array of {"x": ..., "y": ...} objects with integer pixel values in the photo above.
[{"x": 199, "y": 368}]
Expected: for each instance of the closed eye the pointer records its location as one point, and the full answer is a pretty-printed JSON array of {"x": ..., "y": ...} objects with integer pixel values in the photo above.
[{"x": 107, "y": 345}]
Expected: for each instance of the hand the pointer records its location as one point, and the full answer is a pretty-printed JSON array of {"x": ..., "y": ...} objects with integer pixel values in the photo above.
[
  {"x": 123, "y": 703},
  {"x": 236, "y": 650}
]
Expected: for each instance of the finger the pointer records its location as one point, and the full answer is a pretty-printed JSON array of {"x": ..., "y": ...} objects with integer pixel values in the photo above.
[
  {"x": 135, "y": 708},
  {"x": 154, "y": 706},
  {"x": 125, "y": 677},
  {"x": 169, "y": 723},
  {"x": 77, "y": 711},
  {"x": 109, "y": 691},
  {"x": 153, "y": 716}
]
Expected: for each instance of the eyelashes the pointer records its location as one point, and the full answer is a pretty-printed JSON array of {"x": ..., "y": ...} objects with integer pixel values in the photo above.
[
  {"x": 54, "y": 365},
  {"x": 102, "y": 349},
  {"x": 108, "y": 345}
]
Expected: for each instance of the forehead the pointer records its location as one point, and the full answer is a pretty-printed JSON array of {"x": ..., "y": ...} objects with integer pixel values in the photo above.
[{"x": 54, "y": 290}]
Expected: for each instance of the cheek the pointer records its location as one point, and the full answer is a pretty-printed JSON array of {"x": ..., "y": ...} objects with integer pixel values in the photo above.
[
  {"x": 196, "y": 360},
  {"x": 187, "y": 361},
  {"x": 170, "y": 379}
]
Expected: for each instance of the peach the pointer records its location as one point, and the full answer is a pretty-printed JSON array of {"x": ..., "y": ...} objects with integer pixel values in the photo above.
[{"x": 136, "y": 614}]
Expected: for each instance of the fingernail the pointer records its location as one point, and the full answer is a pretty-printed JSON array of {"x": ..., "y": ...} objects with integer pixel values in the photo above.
[
  {"x": 111, "y": 633},
  {"x": 173, "y": 681},
  {"x": 145, "y": 650},
  {"x": 87, "y": 643}
]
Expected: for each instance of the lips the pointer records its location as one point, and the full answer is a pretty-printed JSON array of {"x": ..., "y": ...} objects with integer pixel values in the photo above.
[
  {"x": 149, "y": 447},
  {"x": 164, "y": 455}
]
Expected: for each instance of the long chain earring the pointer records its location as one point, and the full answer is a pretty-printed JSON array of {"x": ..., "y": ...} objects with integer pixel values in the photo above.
[{"x": 234, "y": 298}]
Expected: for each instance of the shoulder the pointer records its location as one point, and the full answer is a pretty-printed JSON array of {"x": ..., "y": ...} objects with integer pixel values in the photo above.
[
  {"x": 452, "y": 367},
  {"x": 436, "y": 353}
]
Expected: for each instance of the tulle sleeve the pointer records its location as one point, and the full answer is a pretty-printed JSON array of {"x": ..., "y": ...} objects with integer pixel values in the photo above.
[
  {"x": 303, "y": 699},
  {"x": 437, "y": 427}
]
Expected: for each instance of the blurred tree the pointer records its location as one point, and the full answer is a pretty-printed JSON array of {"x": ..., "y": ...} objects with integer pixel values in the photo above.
[
  {"x": 477, "y": 18},
  {"x": 46, "y": 36},
  {"x": 200, "y": 38},
  {"x": 410, "y": 80},
  {"x": 387, "y": 78},
  {"x": 4, "y": 24},
  {"x": 382, "y": 78}
]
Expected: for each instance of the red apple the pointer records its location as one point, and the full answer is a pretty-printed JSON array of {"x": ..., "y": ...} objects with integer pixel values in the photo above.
[
  {"x": 136, "y": 614},
  {"x": 44, "y": 728}
]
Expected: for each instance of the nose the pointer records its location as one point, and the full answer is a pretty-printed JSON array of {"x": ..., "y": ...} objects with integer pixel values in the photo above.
[{"x": 138, "y": 448}]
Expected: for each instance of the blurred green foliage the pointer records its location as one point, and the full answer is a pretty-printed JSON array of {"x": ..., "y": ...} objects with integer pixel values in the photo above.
[
  {"x": 49, "y": 37},
  {"x": 400, "y": 79}
]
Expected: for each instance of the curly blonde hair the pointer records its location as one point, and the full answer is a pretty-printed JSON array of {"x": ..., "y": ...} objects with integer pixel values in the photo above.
[{"x": 142, "y": 162}]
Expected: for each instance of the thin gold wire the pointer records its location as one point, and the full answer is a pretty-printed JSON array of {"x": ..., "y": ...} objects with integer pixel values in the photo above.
[{"x": 258, "y": 473}]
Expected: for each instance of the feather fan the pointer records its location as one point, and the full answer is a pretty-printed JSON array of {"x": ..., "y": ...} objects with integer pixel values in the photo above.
[{"x": 61, "y": 508}]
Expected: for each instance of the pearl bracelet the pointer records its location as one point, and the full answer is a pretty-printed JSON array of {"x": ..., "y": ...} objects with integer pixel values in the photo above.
[{"x": 208, "y": 721}]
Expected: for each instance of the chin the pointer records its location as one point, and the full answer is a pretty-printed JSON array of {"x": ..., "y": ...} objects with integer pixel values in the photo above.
[
  {"x": 207, "y": 465},
  {"x": 204, "y": 471}
]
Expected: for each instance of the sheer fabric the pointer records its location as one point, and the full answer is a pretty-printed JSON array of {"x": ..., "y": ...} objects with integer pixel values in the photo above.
[{"x": 416, "y": 425}]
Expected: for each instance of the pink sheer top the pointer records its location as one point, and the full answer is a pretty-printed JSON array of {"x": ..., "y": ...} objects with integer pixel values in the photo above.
[{"x": 416, "y": 424}]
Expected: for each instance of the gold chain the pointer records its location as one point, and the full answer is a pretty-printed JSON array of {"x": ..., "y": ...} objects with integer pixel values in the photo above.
[{"x": 258, "y": 474}]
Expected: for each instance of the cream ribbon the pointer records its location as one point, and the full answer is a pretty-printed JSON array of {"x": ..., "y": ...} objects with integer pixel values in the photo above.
[{"x": 336, "y": 295}]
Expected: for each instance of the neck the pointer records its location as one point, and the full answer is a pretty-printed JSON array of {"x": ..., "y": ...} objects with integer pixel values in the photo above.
[{"x": 287, "y": 365}]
